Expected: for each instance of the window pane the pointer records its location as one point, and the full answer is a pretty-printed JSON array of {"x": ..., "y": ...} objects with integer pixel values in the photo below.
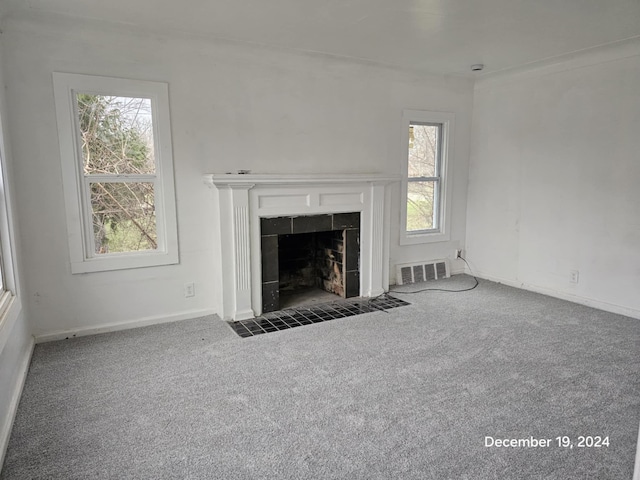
[
  {"x": 124, "y": 217},
  {"x": 421, "y": 206},
  {"x": 423, "y": 150},
  {"x": 116, "y": 134}
]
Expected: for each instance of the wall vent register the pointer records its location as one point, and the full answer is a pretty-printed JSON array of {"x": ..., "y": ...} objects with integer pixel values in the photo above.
[{"x": 422, "y": 272}]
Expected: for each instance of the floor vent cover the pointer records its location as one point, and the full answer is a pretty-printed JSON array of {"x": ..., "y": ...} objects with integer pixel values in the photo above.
[{"x": 421, "y": 272}]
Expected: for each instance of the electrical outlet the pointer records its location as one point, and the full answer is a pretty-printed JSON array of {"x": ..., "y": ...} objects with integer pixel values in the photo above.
[
  {"x": 574, "y": 276},
  {"x": 458, "y": 253},
  {"x": 189, "y": 289}
]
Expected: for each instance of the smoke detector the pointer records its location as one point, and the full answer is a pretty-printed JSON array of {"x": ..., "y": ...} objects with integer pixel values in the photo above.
[{"x": 477, "y": 67}]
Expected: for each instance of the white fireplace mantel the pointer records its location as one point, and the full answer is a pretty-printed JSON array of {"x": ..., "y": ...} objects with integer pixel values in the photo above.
[
  {"x": 221, "y": 179},
  {"x": 242, "y": 199}
]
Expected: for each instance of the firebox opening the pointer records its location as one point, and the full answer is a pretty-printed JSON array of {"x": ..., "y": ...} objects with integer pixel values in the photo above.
[
  {"x": 309, "y": 259},
  {"x": 311, "y": 267}
]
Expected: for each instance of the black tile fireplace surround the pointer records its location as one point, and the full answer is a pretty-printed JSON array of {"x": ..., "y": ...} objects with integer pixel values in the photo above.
[{"x": 338, "y": 235}]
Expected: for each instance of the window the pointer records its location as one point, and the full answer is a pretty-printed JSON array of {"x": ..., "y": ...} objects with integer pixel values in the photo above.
[
  {"x": 5, "y": 293},
  {"x": 115, "y": 146},
  {"x": 8, "y": 280},
  {"x": 426, "y": 148}
]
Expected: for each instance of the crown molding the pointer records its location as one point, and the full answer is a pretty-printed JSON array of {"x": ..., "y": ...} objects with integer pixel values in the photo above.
[{"x": 579, "y": 59}]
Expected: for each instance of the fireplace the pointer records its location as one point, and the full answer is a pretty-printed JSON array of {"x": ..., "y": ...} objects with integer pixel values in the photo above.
[
  {"x": 246, "y": 205},
  {"x": 302, "y": 255}
]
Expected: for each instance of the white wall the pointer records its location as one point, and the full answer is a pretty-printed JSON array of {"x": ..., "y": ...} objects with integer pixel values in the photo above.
[
  {"x": 16, "y": 342},
  {"x": 233, "y": 107},
  {"x": 15, "y": 356},
  {"x": 553, "y": 181}
]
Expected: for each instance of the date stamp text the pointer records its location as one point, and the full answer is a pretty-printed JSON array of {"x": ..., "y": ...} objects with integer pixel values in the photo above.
[{"x": 563, "y": 441}]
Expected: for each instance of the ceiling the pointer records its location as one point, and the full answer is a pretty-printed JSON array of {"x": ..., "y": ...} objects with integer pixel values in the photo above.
[{"x": 440, "y": 36}]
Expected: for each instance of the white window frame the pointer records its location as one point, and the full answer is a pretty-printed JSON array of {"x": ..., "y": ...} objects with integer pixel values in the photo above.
[
  {"x": 77, "y": 202},
  {"x": 443, "y": 214},
  {"x": 7, "y": 269},
  {"x": 10, "y": 306}
]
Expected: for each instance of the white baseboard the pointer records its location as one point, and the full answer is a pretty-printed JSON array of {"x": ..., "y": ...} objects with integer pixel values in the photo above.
[
  {"x": 5, "y": 428},
  {"x": 116, "y": 326},
  {"x": 589, "y": 302}
]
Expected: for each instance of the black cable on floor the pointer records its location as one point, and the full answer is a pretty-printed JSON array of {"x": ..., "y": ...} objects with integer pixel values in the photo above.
[{"x": 443, "y": 289}]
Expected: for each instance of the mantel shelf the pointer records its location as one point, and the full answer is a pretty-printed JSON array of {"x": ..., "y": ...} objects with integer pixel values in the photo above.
[{"x": 229, "y": 179}]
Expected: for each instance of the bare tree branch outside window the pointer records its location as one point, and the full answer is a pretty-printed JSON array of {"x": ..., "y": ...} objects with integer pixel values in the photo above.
[
  {"x": 423, "y": 177},
  {"x": 119, "y": 163}
]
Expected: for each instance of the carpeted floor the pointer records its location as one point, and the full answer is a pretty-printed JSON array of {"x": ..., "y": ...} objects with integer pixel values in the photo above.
[{"x": 410, "y": 393}]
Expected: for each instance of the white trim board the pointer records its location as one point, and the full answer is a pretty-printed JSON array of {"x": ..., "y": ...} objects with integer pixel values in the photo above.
[
  {"x": 6, "y": 427},
  {"x": 117, "y": 326},
  {"x": 609, "y": 52},
  {"x": 212, "y": 179},
  {"x": 589, "y": 302}
]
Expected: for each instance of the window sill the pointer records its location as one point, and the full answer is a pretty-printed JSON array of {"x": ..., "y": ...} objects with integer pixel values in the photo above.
[
  {"x": 124, "y": 262},
  {"x": 419, "y": 238}
]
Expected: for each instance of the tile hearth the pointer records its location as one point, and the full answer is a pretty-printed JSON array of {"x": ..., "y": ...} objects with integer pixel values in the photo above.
[{"x": 296, "y": 317}]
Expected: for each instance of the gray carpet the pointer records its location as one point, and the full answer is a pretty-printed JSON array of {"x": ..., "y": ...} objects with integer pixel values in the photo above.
[{"x": 407, "y": 393}]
